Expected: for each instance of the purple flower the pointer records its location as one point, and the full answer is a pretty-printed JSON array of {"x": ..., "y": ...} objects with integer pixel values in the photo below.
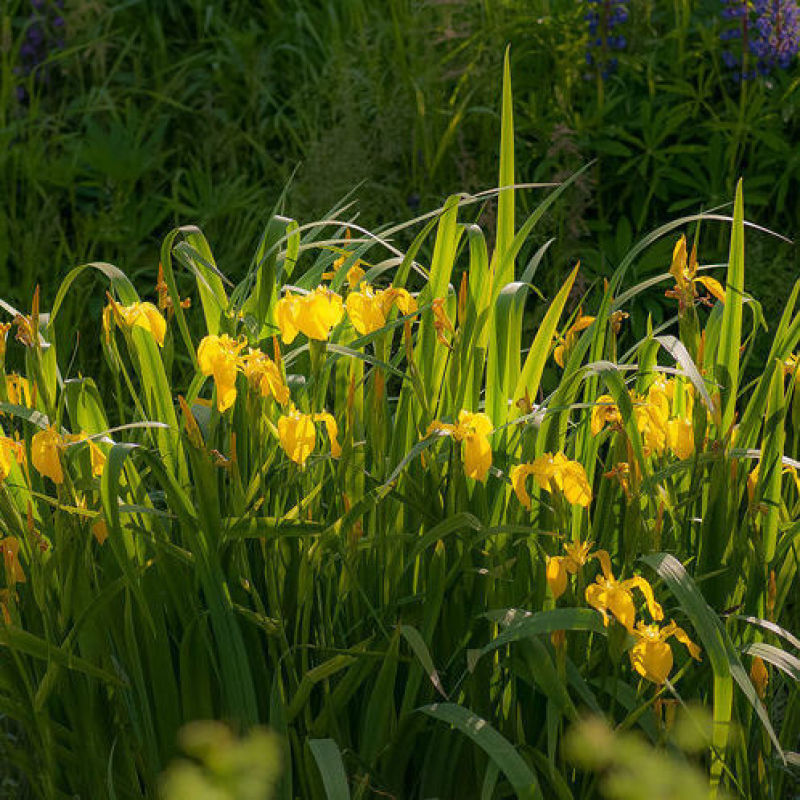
[
  {"x": 603, "y": 16},
  {"x": 43, "y": 34},
  {"x": 776, "y": 40},
  {"x": 769, "y": 34}
]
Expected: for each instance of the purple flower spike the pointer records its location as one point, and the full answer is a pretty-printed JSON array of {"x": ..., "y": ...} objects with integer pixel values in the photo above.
[
  {"x": 769, "y": 31},
  {"x": 603, "y": 16}
]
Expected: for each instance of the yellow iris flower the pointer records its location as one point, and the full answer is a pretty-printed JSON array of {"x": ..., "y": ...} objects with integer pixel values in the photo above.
[
  {"x": 136, "y": 315},
  {"x": 560, "y": 567},
  {"x": 369, "y": 309},
  {"x": 551, "y": 471},
  {"x": 298, "y": 437},
  {"x": 263, "y": 373},
  {"x": 651, "y": 656},
  {"x": 46, "y": 447},
  {"x": 10, "y": 451},
  {"x": 605, "y": 412},
  {"x": 608, "y": 594},
  {"x": 313, "y": 314},
  {"x": 473, "y": 429},
  {"x": 684, "y": 270},
  {"x": 652, "y": 413},
  {"x": 568, "y": 340},
  {"x": 680, "y": 437},
  {"x": 218, "y": 356}
]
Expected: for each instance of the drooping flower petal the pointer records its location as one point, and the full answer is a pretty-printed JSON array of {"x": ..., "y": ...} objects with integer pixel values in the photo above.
[
  {"x": 576, "y": 485},
  {"x": 604, "y": 412},
  {"x": 680, "y": 437},
  {"x": 333, "y": 431},
  {"x": 652, "y": 660},
  {"x": 519, "y": 475},
  {"x": 218, "y": 356},
  {"x": 297, "y": 436},
  {"x": 651, "y": 655},
  {"x": 365, "y": 311},
  {"x": 45, "y": 454},
  {"x": 477, "y": 456}
]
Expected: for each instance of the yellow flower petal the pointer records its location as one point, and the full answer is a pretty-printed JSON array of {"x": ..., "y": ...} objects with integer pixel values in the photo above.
[
  {"x": 365, "y": 311},
  {"x": 284, "y": 319},
  {"x": 333, "y": 432},
  {"x": 45, "y": 454},
  {"x": 680, "y": 437},
  {"x": 519, "y": 475},
  {"x": 297, "y": 436},
  {"x": 714, "y": 287},
  {"x": 575, "y": 484},
  {"x": 477, "y": 456},
  {"x": 652, "y": 660},
  {"x": 218, "y": 356}
]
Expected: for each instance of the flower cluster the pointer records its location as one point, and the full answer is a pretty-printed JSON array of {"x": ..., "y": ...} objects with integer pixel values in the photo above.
[
  {"x": 604, "y": 18},
  {"x": 663, "y": 417},
  {"x": 44, "y": 33},
  {"x": 650, "y": 655},
  {"x": 777, "y": 33},
  {"x": 768, "y": 32}
]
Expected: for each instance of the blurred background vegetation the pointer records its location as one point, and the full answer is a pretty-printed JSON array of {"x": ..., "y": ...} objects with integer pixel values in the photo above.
[{"x": 120, "y": 120}]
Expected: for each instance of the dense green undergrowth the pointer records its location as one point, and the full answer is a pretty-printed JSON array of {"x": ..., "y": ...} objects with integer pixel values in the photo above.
[
  {"x": 352, "y": 497},
  {"x": 156, "y": 113}
]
